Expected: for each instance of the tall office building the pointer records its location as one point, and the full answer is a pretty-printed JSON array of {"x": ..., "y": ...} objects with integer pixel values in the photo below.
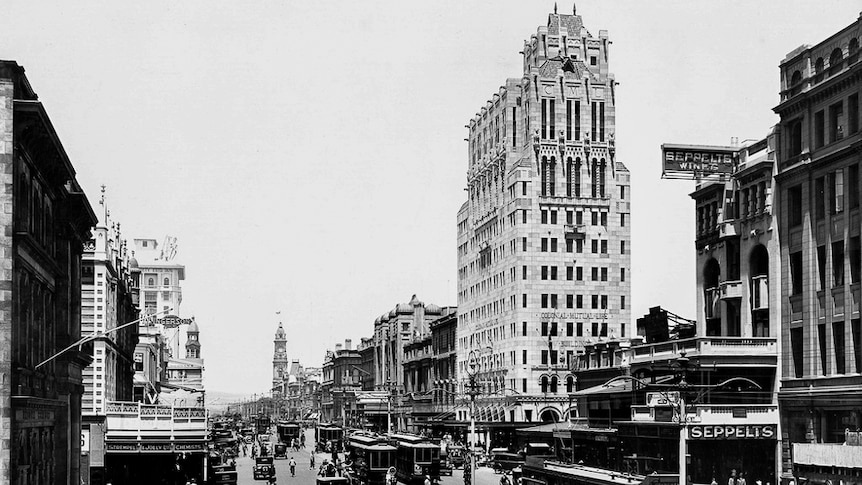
[
  {"x": 544, "y": 236},
  {"x": 818, "y": 190}
]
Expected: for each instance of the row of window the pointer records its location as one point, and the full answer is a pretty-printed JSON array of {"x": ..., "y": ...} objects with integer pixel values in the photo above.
[
  {"x": 549, "y": 300},
  {"x": 828, "y": 191},
  {"x": 838, "y": 257},
  {"x": 597, "y": 171},
  {"x": 826, "y": 352},
  {"x": 575, "y": 273},
  {"x": 573, "y": 119},
  {"x": 830, "y": 125}
]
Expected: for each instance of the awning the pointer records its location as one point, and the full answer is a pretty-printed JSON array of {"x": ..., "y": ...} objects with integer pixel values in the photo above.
[
  {"x": 443, "y": 416},
  {"x": 313, "y": 416}
]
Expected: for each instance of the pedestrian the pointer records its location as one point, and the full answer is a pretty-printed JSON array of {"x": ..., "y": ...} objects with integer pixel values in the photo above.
[
  {"x": 292, "y": 465},
  {"x": 311, "y": 461},
  {"x": 741, "y": 478},
  {"x": 733, "y": 480}
]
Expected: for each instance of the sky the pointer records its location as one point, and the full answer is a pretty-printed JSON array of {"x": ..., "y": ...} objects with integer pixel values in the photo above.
[{"x": 309, "y": 157}]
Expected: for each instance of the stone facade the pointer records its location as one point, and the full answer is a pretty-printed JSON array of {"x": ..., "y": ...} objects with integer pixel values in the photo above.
[
  {"x": 544, "y": 237},
  {"x": 47, "y": 219},
  {"x": 818, "y": 210}
]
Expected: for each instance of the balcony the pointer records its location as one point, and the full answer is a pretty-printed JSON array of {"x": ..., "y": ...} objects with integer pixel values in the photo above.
[
  {"x": 576, "y": 231},
  {"x": 155, "y": 425},
  {"x": 730, "y": 289},
  {"x": 708, "y": 414},
  {"x": 760, "y": 292},
  {"x": 706, "y": 346},
  {"x": 727, "y": 228}
]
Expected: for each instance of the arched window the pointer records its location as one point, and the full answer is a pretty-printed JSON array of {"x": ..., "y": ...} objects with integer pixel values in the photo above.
[
  {"x": 594, "y": 171},
  {"x": 818, "y": 65},
  {"x": 796, "y": 78},
  {"x": 543, "y": 383},
  {"x": 570, "y": 384},
  {"x": 569, "y": 176},
  {"x": 577, "y": 177},
  {"x": 554, "y": 384},
  {"x": 167, "y": 281},
  {"x": 151, "y": 282},
  {"x": 836, "y": 58},
  {"x": 552, "y": 179},
  {"x": 602, "y": 166},
  {"x": 853, "y": 50}
]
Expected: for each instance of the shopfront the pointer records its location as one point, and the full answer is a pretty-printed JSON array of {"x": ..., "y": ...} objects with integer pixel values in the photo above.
[{"x": 715, "y": 450}]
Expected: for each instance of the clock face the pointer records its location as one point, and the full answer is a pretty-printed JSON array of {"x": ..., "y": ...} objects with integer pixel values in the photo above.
[{"x": 548, "y": 89}]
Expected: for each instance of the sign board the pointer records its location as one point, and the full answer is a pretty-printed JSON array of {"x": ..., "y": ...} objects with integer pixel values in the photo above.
[
  {"x": 171, "y": 321},
  {"x": 690, "y": 160},
  {"x": 85, "y": 441},
  {"x": 732, "y": 432},
  {"x": 654, "y": 399}
]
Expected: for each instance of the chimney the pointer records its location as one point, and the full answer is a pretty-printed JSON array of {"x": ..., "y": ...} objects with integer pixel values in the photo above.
[
  {"x": 348, "y": 344},
  {"x": 338, "y": 347}
]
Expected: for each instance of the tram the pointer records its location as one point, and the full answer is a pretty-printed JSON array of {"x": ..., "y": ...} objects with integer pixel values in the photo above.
[
  {"x": 370, "y": 456},
  {"x": 416, "y": 457},
  {"x": 328, "y": 434},
  {"x": 538, "y": 471},
  {"x": 287, "y": 431}
]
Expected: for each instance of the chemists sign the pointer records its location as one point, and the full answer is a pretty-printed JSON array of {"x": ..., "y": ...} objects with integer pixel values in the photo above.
[{"x": 736, "y": 432}]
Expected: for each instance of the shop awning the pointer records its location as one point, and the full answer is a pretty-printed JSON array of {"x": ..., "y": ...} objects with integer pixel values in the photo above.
[{"x": 615, "y": 387}]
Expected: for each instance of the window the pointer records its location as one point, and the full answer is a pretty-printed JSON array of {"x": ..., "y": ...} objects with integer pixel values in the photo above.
[
  {"x": 579, "y": 246},
  {"x": 544, "y": 105},
  {"x": 544, "y": 360},
  {"x": 524, "y": 355},
  {"x": 622, "y": 302},
  {"x": 553, "y": 245},
  {"x": 852, "y": 114},
  {"x": 523, "y": 188},
  {"x": 570, "y": 381},
  {"x": 601, "y": 122},
  {"x": 824, "y": 356},
  {"x": 819, "y": 129},
  {"x": 570, "y": 329},
  {"x": 853, "y": 185},
  {"x": 595, "y": 218},
  {"x": 594, "y": 246},
  {"x": 820, "y": 198},
  {"x": 167, "y": 282},
  {"x": 553, "y": 272},
  {"x": 544, "y": 327},
  {"x": 855, "y": 260},
  {"x": 838, "y": 263},
  {"x": 524, "y": 244},
  {"x": 580, "y": 329},
  {"x": 604, "y": 246},
  {"x": 523, "y": 272},
  {"x": 622, "y": 274},
  {"x": 568, "y": 119},
  {"x": 570, "y": 273},
  {"x": 554, "y": 300},
  {"x": 821, "y": 266},
  {"x": 836, "y": 191},
  {"x": 544, "y": 272},
  {"x": 553, "y": 217},
  {"x": 544, "y": 216},
  {"x": 544, "y": 244},
  {"x": 623, "y": 219},
  {"x": 836, "y": 122},
  {"x": 570, "y": 301},
  {"x": 553, "y": 329},
  {"x": 794, "y": 206},
  {"x": 622, "y": 247},
  {"x": 604, "y": 274},
  {"x": 595, "y": 302},
  {"x": 593, "y": 118},
  {"x": 595, "y": 329},
  {"x": 523, "y": 301},
  {"x": 524, "y": 330},
  {"x": 528, "y": 413},
  {"x": 794, "y": 129},
  {"x": 796, "y": 273},
  {"x": 577, "y": 120},
  {"x": 554, "y": 384},
  {"x": 569, "y": 245},
  {"x": 544, "y": 300},
  {"x": 593, "y": 60},
  {"x": 594, "y": 274},
  {"x": 524, "y": 216},
  {"x": 796, "y": 346},
  {"x": 622, "y": 330},
  {"x": 603, "y": 331},
  {"x": 580, "y": 273},
  {"x": 569, "y": 217},
  {"x": 579, "y": 301},
  {"x": 604, "y": 218},
  {"x": 838, "y": 347},
  {"x": 604, "y": 302},
  {"x": 579, "y": 217}
]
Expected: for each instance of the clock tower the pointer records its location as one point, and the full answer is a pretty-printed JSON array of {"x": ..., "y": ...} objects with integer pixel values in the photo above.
[{"x": 279, "y": 360}]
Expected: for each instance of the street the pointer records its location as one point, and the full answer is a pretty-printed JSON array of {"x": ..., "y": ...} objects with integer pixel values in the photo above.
[{"x": 485, "y": 475}]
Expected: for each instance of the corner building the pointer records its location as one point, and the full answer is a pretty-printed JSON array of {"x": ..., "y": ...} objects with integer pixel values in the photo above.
[
  {"x": 818, "y": 185},
  {"x": 544, "y": 237}
]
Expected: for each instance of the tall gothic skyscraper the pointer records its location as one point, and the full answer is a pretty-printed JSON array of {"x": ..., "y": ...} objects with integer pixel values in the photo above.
[{"x": 544, "y": 236}]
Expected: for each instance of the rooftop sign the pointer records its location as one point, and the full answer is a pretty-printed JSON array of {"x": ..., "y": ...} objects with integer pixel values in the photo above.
[{"x": 689, "y": 161}]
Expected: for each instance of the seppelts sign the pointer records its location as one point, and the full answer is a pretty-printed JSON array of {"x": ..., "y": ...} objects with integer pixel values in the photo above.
[{"x": 735, "y": 432}]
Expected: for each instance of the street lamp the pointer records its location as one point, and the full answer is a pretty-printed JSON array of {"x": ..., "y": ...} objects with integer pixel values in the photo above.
[{"x": 678, "y": 402}]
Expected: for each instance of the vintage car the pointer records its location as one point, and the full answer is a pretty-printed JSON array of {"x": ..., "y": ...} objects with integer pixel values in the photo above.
[
  {"x": 280, "y": 450},
  {"x": 263, "y": 468},
  {"x": 503, "y": 461}
]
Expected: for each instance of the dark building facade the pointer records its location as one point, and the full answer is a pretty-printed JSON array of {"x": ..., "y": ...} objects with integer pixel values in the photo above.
[{"x": 48, "y": 219}]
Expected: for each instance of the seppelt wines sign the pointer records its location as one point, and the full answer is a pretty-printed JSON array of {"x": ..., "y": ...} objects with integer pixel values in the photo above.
[
  {"x": 732, "y": 432},
  {"x": 678, "y": 160}
]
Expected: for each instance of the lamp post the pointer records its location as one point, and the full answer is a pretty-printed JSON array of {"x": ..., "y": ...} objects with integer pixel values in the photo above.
[
  {"x": 678, "y": 402},
  {"x": 472, "y": 391}
]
